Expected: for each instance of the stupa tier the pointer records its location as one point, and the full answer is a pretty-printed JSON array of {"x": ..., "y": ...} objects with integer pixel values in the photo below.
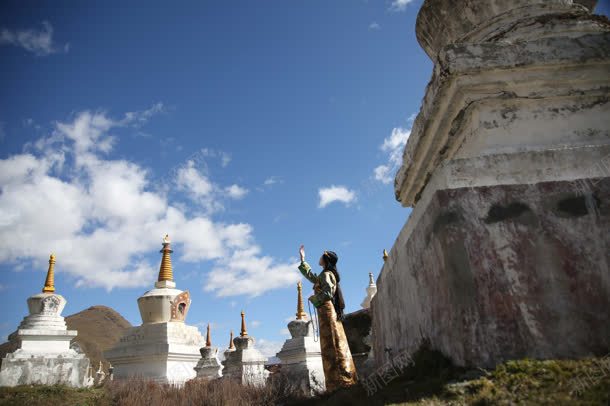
[
  {"x": 301, "y": 357},
  {"x": 163, "y": 348},
  {"x": 43, "y": 355},
  {"x": 245, "y": 363}
]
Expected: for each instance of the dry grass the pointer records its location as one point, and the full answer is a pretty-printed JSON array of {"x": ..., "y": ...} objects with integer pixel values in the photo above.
[
  {"x": 205, "y": 393},
  {"x": 431, "y": 381}
]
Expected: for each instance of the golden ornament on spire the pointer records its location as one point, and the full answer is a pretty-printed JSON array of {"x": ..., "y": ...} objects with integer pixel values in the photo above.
[
  {"x": 49, "y": 283},
  {"x": 208, "y": 338},
  {"x": 165, "y": 270},
  {"x": 385, "y": 255},
  {"x": 243, "y": 332},
  {"x": 300, "y": 311},
  {"x": 231, "y": 345}
]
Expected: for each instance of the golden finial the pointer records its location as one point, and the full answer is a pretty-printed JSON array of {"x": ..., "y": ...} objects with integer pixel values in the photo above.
[
  {"x": 165, "y": 270},
  {"x": 300, "y": 311},
  {"x": 243, "y": 332},
  {"x": 385, "y": 255},
  {"x": 49, "y": 283},
  {"x": 231, "y": 345},
  {"x": 208, "y": 338}
]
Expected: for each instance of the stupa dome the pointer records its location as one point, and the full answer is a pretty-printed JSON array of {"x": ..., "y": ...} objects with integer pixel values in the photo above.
[{"x": 164, "y": 303}]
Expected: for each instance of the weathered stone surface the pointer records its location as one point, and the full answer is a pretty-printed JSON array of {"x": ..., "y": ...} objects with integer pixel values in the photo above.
[
  {"x": 163, "y": 352},
  {"x": 301, "y": 359},
  {"x": 506, "y": 252},
  {"x": 69, "y": 369},
  {"x": 209, "y": 366},
  {"x": 445, "y": 22},
  {"x": 245, "y": 364},
  {"x": 563, "y": 58},
  {"x": 501, "y": 272},
  {"x": 43, "y": 354}
]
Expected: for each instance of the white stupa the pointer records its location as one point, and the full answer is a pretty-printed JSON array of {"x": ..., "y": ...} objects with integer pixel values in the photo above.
[
  {"x": 371, "y": 290},
  {"x": 43, "y": 354},
  {"x": 163, "y": 348},
  {"x": 209, "y": 366},
  {"x": 300, "y": 356},
  {"x": 245, "y": 363}
]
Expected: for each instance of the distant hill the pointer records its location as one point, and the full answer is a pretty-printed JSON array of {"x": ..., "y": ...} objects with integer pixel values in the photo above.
[{"x": 99, "y": 327}]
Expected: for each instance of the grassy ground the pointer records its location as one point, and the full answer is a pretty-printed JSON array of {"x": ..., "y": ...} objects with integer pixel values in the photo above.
[
  {"x": 529, "y": 382},
  {"x": 53, "y": 395}
]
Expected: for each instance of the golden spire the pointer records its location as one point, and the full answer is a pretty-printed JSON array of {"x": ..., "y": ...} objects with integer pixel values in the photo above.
[
  {"x": 165, "y": 270},
  {"x": 385, "y": 255},
  {"x": 231, "y": 345},
  {"x": 49, "y": 283},
  {"x": 243, "y": 332},
  {"x": 300, "y": 311},
  {"x": 208, "y": 338}
]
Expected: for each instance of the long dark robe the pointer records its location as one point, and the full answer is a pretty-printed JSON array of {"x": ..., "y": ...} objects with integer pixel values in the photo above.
[{"x": 339, "y": 369}]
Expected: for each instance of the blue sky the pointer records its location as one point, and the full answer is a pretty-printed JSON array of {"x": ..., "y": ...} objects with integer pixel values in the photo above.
[{"x": 242, "y": 129}]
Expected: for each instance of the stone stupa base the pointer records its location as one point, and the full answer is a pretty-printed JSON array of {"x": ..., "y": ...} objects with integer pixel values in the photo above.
[
  {"x": 246, "y": 364},
  {"x": 44, "y": 359},
  {"x": 162, "y": 352},
  {"x": 302, "y": 359},
  {"x": 209, "y": 366}
]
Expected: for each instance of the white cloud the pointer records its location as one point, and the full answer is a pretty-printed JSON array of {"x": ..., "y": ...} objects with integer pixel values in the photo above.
[
  {"x": 236, "y": 192},
  {"x": 268, "y": 347},
  {"x": 374, "y": 26},
  {"x": 255, "y": 323},
  {"x": 272, "y": 180},
  {"x": 400, "y": 5},
  {"x": 100, "y": 216},
  {"x": 246, "y": 272},
  {"x": 192, "y": 181},
  {"x": 139, "y": 118},
  {"x": 334, "y": 193},
  {"x": 225, "y": 159},
  {"x": 393, "y": 146},
  {"x": 202, "y": 190},
  {"x": 38, "y": 42}
]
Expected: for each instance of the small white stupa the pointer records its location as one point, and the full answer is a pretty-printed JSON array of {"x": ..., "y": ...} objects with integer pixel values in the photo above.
[
  {"x": 163, "y": 348},
  {"x": 44, "y": 355},
  {"x": 100, "y": 375},
  {"x": 371, "y": 290},
  {"x": 231, "y": 347},
  {"x": 209, "y": 366},
  {"x": 300, "y": 356},
  {"x": 245, "y": 363}
]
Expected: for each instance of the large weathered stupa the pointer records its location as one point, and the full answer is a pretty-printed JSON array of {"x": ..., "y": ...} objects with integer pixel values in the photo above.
[
  {"x": 44, "y": 356},
  {"x": 506, "y": 252},
  {"x": 163, "y": 348}
]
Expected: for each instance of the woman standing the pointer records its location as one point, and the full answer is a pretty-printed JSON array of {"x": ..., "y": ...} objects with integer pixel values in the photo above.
[{"x": 337, "y": 361}]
